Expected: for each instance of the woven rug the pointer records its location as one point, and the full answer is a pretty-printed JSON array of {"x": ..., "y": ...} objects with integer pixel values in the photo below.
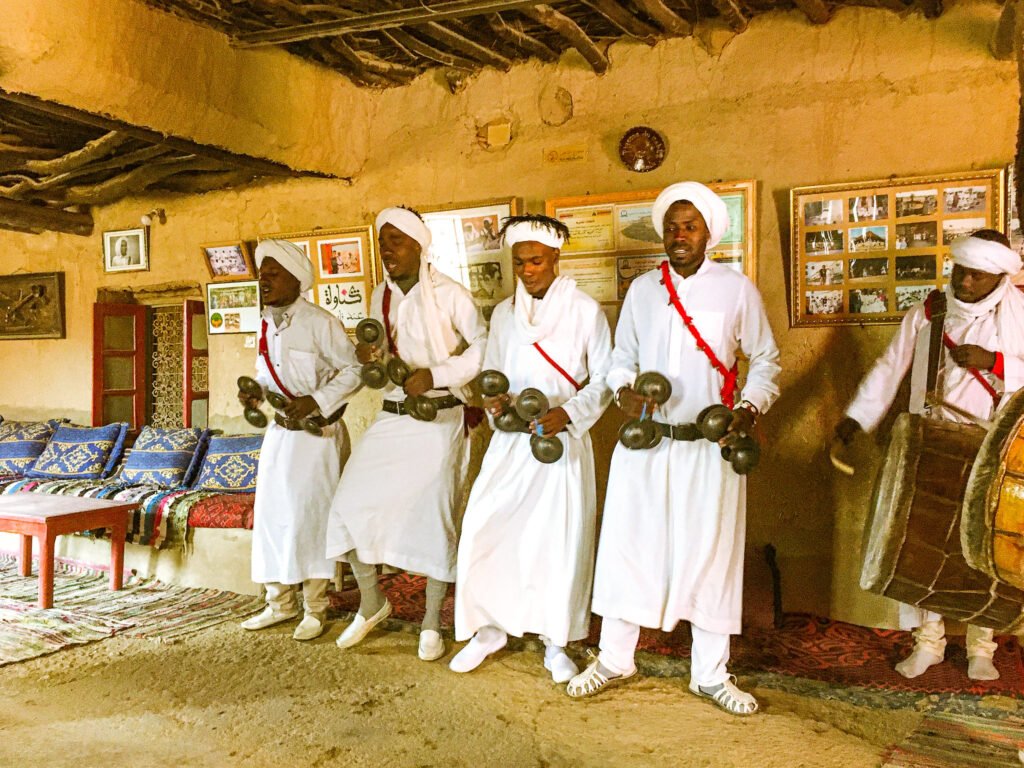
[
  {"x": 802, "y": 646},
  {"x": 944, "y": 740},
  {"x": 85, "y": 609}
]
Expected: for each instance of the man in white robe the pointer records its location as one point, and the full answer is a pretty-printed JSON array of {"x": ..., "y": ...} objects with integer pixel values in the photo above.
[
  {"x": 526, "y": 555},
  {"x": 985, "y": 323},
  {"x": 305, "y": 354},
  {"x": 672, "y": 537},
  {"x": 397, "y": 496}
]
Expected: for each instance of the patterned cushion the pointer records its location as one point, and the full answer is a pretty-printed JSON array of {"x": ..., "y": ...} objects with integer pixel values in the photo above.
[
  {"x": 230, "y": 464},
  {"x": 224, "y": 510},
  {"x": 21, "y": 442},
  {"x": 165, "y": 457},
  {"x": 82, "y": 453}
]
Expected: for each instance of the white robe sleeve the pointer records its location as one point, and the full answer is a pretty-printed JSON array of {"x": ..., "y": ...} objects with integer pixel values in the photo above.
[
  {"x": 337, "y": 350},
  {"x": 755, "y": 338},
  {"x": 878, "y": 389},
  {"x": 459, "y": 370},
  {"x": 1013, "y": 373},
  {"x": 587, "y": 405},
  {"x": 625, "y": 359}
]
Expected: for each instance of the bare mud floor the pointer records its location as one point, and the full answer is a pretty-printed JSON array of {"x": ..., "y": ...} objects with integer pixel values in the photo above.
[{"x": 226, "y": 697}]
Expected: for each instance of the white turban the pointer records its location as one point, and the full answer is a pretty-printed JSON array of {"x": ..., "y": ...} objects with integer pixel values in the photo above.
[
  {"x": 409, "y": 223},
  {"x": 290, "y": 256},
  {"x": 985, "y": 255},
  {"x": 710, "y": 205},
  {"x": 533, "y": 231}
]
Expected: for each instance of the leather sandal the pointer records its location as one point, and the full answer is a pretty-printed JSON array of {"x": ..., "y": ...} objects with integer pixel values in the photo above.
[{"x": 728, "y": 698}]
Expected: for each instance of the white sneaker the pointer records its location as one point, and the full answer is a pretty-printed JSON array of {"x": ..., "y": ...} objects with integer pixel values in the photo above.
[
  {"x": 562, "y": 668},
  {"x": 476, "y": 650},
  {"x": 359, "y": 628},
  {"x": 267, "y": 618},
  {"x": 431, "y": 645},
  {"x": 917, "y": 662},
  {"x": 981, "y": 668},
  {"x": 310, "y": 628}
]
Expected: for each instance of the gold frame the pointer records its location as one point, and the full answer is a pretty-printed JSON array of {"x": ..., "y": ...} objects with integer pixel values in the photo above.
[
  {"x": 924, "y": 251},
  {"x": 243, "y": 246}
]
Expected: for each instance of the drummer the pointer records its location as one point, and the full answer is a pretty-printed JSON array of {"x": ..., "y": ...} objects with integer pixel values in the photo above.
[
  {"x": 305, "y": 355},
  {"x": 526, "y": 557},
  {"x": 982, "y": 364}
]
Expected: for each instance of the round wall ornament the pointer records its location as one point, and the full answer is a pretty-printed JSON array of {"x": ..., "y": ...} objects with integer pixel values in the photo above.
[{"x": 641, "y": 149}]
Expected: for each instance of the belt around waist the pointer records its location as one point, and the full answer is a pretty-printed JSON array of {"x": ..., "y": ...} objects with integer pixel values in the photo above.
[
  {"x": 686, "y": 432},
  {"x": 295, "y": 425},
  {"x": 398, "y": 406}
]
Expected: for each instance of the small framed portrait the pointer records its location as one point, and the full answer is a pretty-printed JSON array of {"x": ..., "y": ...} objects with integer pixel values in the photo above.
[
  {"x": 125, "y": 250},
  {"x": 340, "y": 257},
  {"x": 228, "y": 261},
  {"x": 233, "y": 307},
  {"x": 824, "y": 273}
]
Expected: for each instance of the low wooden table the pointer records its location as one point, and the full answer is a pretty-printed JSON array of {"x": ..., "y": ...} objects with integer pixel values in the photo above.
[{"x": 46, "y": 517}]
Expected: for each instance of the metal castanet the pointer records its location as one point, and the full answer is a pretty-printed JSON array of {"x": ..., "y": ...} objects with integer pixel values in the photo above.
[
  {"x": 912, "y": 547},
  {"x": 249, "y": 387},
  {"x": 370, "y": 331},
  {"x": 713, "y": 422},
  {"x": 546, "y": 450},
  {"x": 398, "y": 371},
  {"x": 277, "y": 400},
  {"x": 421, "y": 408},
  {"x": 374, "y": 375},
  {"x": 493, "y": 383},
  {"x": 510, "y": 421},
  {"x": 744, "y": 454},
  {"x": 532, "y": 404},
  {"x": 642, "y": 434},
  {"x": 654, "y": 385}
]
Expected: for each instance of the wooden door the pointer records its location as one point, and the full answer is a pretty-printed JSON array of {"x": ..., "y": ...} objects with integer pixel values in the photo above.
[
  {"x": 196, "y": 358},
  {"x": 120, "y": 370}
]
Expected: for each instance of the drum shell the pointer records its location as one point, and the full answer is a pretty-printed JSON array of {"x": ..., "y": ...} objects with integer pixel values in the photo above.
[
  {"x": 912, "y": 549},
  {"x": 992, "y": 528}
]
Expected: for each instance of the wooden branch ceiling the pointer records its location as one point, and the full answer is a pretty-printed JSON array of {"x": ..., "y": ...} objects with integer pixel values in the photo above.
[
  {"x": 385, "y": 43},
  {"x": 57, "y": 162}
]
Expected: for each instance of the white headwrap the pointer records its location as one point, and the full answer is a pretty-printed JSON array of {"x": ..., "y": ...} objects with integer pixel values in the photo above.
[
  {"x": 533, "y": 231},
  {"x": 409, "y": 223},
  {"x": 710, "y": 205},
  {"x": 985, "y": 255},
  {"x": 290, "y": 256}
]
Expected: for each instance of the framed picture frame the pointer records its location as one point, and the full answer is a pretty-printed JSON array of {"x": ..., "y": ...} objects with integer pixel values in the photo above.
[
  {"x": 346, "y": 267},
  {"x": 613, "y": 241},
  {"x": 32, "y": 306},
  {"x": 228, "y": 261},
  {"x": 865, "y": 253},
  {"x": 125, "y": 250},
  {"x": 233, "y": 307},
  {"x": 467, "y": 248}
]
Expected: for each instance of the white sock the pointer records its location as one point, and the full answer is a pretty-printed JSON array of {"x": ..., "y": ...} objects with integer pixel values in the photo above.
[
  {"x": 557, "y": 662},
  {"x": 486, "y": 641},
  {"x": 917, "y": 662},
  {"x": 981, "y": 668}
]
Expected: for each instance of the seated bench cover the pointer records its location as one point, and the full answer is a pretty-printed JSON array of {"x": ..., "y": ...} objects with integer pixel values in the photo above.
[
  {"x": 21, "y": 442},
  {"x": 80, "y": 453},
  {"x": 223, "y": 510},
  {"x": 230, "y": 464},
  {"x": 168, "y": 458}
]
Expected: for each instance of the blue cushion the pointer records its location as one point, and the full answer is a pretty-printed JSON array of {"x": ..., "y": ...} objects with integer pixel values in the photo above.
[
  {"x": 21, "y": 442},
  {"x": 164, "y": 457},
  {"x": 230, "y": 464},
  {"x": 81, "y": 453}
]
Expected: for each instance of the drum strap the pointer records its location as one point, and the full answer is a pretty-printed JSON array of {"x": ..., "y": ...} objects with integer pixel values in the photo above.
[
  {"x": 939, "y": 338},
  {"x": 265, "y": 354}
]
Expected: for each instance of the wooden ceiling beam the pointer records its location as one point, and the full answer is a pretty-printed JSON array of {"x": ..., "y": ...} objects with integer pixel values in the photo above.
[
  {"x": 417, "y": 47},
  {"x": 1002, "y": 39},
  {"x": 391, "y": 19},
  {"x": 815, "y": 10},
  {"x": 515, "y": 36},
  {"x": 666, "y": 18},
  {"x": 93, "y": 150},
  {"x": 138, "y": 179},
  {"x": 735, "y": 15},
  {"x": 571, "y": 31},
  {"x": 465, "y": 46},
  {"x": 624, "y": 20},
  {"x": 26, "y": 217}
]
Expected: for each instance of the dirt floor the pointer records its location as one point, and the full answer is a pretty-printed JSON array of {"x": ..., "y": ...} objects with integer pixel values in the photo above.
[{"x": 226, "y": 697}]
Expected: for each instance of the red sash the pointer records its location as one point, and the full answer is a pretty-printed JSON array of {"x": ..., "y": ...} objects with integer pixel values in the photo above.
[
  {"x": 557, "y": 367},
  {"x": 386, "y": 310},
  {"x": 948, "y": 343},
  {"x": 265, "y": 354},
  {"x": 728, "y": 390}
]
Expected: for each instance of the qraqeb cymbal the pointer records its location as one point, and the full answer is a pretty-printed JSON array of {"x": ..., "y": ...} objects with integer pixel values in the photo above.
[{"x": 249, "y": 387}]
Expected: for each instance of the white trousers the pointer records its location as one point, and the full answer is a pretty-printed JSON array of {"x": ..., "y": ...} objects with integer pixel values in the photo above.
[
  {"x": 709, "y": 653},
  {"x": 281, "y": 597},
  {"x": 931, "y": 636}
]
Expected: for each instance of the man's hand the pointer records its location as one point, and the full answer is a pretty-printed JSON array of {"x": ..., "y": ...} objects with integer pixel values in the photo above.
[
  {"x": 551, "y": 423},
  {"x": 846, "y": 430},
  {"x": 498, "y": 404},
  {"x": 249, "y": 401},
  {"x": 742, "y": 424},
  {"x": 419, "y": 382},
  {"x": 973, "y": 356},
  {"x": 632, "y": 403},
  {"x": 369, "y": 353},
  {"x": 300, "y": 407}
]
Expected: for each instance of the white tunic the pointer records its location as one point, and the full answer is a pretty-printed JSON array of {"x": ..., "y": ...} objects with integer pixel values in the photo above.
[
  {"x": 672, "y": 537},
  {"x": 396, "y": 498},
  {"x": 298, "y": 472},
  {"x": 526, "y": 556}
]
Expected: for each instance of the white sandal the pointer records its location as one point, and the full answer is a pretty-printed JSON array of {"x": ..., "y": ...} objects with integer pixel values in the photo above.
[
  {"x": 590, "y": 681},
  {"x": 728, "y": 698}
]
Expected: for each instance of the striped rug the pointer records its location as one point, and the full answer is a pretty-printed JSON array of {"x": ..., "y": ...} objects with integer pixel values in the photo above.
[{"x": 950, "y": 740}]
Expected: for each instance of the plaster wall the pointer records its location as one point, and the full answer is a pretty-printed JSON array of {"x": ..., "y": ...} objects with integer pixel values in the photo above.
[{"x": 866, "y": 96}]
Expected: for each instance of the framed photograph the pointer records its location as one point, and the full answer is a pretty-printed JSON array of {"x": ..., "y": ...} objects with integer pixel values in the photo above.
[
  {"x": 868, "y": 251},
  {"x": 467, "y": 249},
  {"x": 1013, "y": 228},
  {"x": 32, "y": 306},
  {"x": 346, "y": 268},
  {"x": 613, "y": 238},
  {"x": 228, "y": 261},
  {"x": 125, "y": 250},
  {"x": 233, "y": 307}
]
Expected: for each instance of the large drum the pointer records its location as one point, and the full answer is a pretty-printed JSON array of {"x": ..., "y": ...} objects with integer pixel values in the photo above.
[
  {"x": 912, "y": 549},
  {"x": 992, "y": 530}
]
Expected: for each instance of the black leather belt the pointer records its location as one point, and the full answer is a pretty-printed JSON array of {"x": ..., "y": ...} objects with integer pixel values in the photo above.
[
  {"x": 295, "y": 425},
  {"x": 687, "y": 432},
  {"x": 398, "y": 406}
]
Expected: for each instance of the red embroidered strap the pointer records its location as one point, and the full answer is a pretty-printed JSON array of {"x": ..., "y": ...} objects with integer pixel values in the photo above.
[
  {"x": 265, "y": 354},
  {"x": 557, "y": 367},
  {"x": 948, "y": 343},
  {"x": 728, "y": 390},
  {"x": 386, "y": 310}
]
